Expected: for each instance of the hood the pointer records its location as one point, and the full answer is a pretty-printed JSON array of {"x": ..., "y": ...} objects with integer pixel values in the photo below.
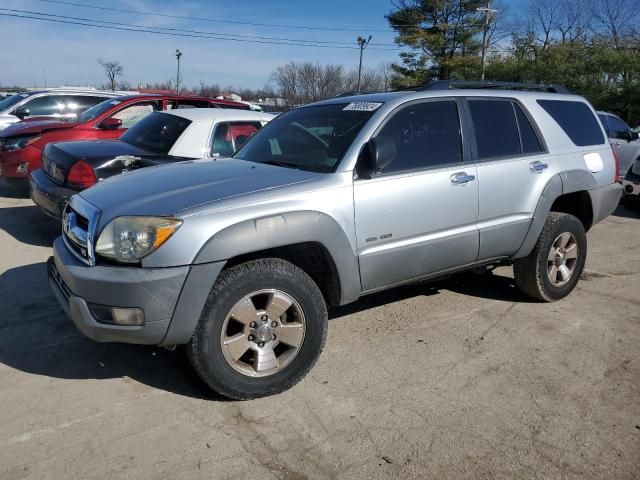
[
  {"x": 35, "y": 126},
  {"x": 170, "y": 189},
  {"x": 6, "y": 120},
  {"x": 99, "y": 149}
]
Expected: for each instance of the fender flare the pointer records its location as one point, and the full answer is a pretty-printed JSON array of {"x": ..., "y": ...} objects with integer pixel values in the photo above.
[
  {"x": 558, "y": 185},
  {"x": 284, "y": 229}
]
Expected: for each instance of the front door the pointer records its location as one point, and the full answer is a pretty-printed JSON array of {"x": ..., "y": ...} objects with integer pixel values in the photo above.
[{"x": 418, "y": 216}]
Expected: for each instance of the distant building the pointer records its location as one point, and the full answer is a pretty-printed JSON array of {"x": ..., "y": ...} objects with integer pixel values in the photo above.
[
  {"x": 230, "y": 96},
  {"x": 273, "y": 102}
]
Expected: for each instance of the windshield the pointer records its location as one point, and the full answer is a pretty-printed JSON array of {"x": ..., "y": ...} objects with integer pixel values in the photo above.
[
  {"x": 9, "y": 102},
  {"x": 97, "y": 110},
  {"x": 156, "y": 132},
  {"x": 310, "y": 138}
]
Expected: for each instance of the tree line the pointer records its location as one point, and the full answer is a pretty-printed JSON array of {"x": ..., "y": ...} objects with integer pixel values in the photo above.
[{"x": 590, "y": 46}]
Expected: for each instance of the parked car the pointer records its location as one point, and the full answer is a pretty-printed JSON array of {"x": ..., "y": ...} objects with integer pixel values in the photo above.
[
  {"x": 631, "y": 185},
  {"x": 21, "y": 144},
  {"x": 624, "y": 140},
  {"x": 62, "y": 104},
  {"x": 159, "y": 138},
  {"x": 239, "y": 258}
]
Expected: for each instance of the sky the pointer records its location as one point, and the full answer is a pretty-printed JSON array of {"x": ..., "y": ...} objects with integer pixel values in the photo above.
[{"x": 36, "y": 51}]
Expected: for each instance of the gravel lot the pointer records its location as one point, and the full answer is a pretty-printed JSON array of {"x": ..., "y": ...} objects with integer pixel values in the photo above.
[{"x": 463, "y": 378}]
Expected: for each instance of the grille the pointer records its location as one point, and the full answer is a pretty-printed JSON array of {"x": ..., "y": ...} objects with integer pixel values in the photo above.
[
  {"x": 55, "y": 276},
  {"x": 79, "y": 221}
]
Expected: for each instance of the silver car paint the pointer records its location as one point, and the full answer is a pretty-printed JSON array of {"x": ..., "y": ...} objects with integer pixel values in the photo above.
[{"x": 423, "y": 224}]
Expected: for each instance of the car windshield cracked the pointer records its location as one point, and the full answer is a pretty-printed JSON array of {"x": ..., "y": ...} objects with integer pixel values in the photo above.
[{"x": 310, "y": 138}]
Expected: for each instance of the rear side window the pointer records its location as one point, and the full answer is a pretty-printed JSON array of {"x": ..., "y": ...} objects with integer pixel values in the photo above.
[
  {"x": 156, "y": 132},
  {"x": 496, "y": 129},
  {"x": 576, "y": 119},
  {"x": 426, "y": 135},
  {"x": 229, "y": 137},
  {"x": 528, "y": 136}
]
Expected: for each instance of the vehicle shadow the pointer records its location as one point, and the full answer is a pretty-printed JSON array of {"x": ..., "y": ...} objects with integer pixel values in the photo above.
[
  {"x": 29, "y": 225},
  {"x": 489, "y": 285},
  {"x": 36, "y": 337},
  {"x": 628, "y": 212},
  {"x": 8, "y": 190}
]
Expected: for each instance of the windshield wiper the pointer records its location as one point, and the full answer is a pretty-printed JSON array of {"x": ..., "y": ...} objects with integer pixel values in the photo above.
[{"x": 278, "y": 163}]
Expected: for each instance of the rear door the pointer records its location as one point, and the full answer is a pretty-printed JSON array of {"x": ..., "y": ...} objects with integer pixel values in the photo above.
[
  {"x": 418, "y": 216},
  {"x": 620, "y": 137},
  {"x": 513, "y": 170}
]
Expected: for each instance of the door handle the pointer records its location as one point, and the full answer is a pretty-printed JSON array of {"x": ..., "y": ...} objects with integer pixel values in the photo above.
[
  {"x": 618, "y": 144},
  {"x": 462, "y": 178},
  {"x": 537, "y": 167}
]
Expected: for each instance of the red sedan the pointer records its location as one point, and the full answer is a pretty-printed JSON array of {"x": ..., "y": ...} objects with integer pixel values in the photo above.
[{"x": 21, "y": 144}]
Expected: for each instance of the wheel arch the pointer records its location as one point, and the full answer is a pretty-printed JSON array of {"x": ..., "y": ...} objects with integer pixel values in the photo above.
[{"x": 312, "y": 240}]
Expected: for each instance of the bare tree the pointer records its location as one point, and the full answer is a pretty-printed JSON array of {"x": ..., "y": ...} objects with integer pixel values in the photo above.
[
  {"x": 113, "y": 70},
  {"x": 615, "y": 18}
]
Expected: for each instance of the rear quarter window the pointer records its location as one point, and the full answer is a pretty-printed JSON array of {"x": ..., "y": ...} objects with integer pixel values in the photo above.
[{"x": 576, "y": 120}]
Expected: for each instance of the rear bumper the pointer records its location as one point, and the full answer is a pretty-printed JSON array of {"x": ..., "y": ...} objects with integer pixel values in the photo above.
[
  {"x": 172, "y": 298},
  {"x": 605, "y": 200},
  {"x": 49, "y": 196}
]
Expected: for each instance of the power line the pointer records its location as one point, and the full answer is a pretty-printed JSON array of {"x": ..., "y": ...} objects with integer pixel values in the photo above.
[
  {"x": 177, "y": 33},
  {"x": 204, "y": 19},
  {"x": 182, "y": 30}
]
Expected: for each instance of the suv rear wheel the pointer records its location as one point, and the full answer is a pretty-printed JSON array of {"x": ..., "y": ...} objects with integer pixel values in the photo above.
[
  {"x": 552, "y": 269},
  {"x": 262, "y": 329}
]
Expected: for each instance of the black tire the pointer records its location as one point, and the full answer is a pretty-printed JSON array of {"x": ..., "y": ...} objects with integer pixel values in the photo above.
[
  {"x": 205, "y": 351},
  {"x": 530, "y": 272}
]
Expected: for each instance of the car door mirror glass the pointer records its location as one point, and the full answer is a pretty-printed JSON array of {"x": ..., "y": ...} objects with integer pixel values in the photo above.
[
  {"x": 635, "y": 136},
  {"x": 111, "y": 123},
  {"x": 382, "y": 151},
  {"x": 22, "y": 113}
]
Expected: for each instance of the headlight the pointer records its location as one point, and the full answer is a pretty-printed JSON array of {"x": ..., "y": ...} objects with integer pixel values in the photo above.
[
  {"x": 16, "y": 143},
  {"x": 129, "y": 239}
]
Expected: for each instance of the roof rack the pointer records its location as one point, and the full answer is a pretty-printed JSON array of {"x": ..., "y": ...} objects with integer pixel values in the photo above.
[{"x": 452, "y": 84}]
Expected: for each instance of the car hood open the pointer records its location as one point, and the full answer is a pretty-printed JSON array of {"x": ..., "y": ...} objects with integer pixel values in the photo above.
[{"x": 171, "y": 189}]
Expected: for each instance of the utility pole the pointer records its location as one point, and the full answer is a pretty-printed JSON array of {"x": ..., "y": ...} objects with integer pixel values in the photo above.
[
  {"x": 178, "y": 55},
  {"x": 488, "y": 12},
  {"x": 362, "y": 43}
]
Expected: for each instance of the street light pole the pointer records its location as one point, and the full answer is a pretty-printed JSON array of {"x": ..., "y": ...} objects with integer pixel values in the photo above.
[
  {"x": 362, "y": 43},
  {"x": 488, "y": 11},
  {"x": 178, "y": 55}
]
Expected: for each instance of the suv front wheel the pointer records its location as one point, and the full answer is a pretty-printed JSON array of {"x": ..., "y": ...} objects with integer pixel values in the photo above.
[
  {"x": 262, "y": 329},
  {"x": 552, "y": 269}
]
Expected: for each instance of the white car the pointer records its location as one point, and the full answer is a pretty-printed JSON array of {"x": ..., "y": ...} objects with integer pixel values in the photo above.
[
  {"x": 159, "y": 138},
  {"x": 49, "y": 103}
]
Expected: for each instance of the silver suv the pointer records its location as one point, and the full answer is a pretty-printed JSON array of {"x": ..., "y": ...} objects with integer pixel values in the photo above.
[{"x": 239, "y": 258}]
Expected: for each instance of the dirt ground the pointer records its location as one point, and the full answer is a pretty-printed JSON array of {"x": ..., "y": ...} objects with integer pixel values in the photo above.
[{"x": 463, "y": 378}]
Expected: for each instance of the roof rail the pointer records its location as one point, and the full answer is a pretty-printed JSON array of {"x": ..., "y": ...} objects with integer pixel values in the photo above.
[{"x": 452, "y": 84}]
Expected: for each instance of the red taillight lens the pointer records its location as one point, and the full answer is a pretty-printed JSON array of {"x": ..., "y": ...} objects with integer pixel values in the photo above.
[
  {"x": 81, "y": 175},
  {"x": 616, "y": 174}
]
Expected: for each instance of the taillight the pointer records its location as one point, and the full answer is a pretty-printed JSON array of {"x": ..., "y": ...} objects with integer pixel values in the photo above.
[
  {"x": 81, "y": 175},
  {"x": 616, "y": 174}
]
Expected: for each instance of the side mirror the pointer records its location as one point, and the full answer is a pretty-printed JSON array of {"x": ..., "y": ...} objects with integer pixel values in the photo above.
[
  {"x": 634, "y": 136},
  {"x": 382, "y": 151},
  {"x": 22, "y": 113},
  {"x": 111, "y": 123}
]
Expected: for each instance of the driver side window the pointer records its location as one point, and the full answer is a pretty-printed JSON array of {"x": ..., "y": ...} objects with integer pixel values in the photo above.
[
  {"x": 618, "y": 128},
  {"x": 132, "y": 114}
]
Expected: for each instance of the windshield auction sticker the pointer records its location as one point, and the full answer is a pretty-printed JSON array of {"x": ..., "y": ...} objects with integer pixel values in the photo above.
[{"x": 363, "y": 106}]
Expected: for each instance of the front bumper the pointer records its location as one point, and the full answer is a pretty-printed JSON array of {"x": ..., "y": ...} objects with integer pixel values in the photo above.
[
  {"x": 172, "y": 298},
  {"x": 49, "y": 196}
]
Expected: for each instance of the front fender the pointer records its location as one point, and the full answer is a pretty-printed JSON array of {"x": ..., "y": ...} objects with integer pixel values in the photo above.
[{"x": 288, "y": 229}]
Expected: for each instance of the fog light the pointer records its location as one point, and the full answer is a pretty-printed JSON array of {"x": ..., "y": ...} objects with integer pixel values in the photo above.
[
  {"x": 127, "y": 316},
  {"x": 23, "y": 168},
  {"x": 628, "y": 189}
]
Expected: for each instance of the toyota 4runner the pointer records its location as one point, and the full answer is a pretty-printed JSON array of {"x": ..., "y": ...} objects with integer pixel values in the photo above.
[{"x": 239, "y": 259}]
